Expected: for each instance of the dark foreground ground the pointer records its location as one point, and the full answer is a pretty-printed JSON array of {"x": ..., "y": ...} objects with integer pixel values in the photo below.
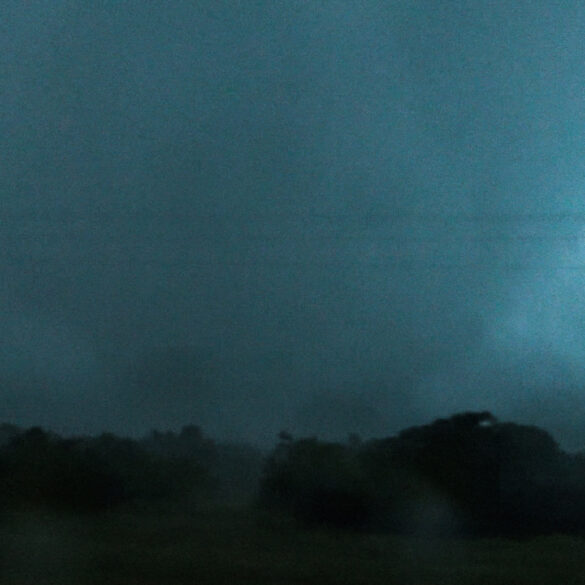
[{"x": 234, "y": 546}]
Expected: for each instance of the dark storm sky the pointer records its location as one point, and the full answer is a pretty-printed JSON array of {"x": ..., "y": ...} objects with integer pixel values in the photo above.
[{"x": 325, "y": 216}]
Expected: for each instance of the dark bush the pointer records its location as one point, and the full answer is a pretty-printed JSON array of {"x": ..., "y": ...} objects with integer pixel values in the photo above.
[
  {"x": 85, "y": 474},
  {"x": 467, "y": 475},
  {"x": 317, "y": 482}
]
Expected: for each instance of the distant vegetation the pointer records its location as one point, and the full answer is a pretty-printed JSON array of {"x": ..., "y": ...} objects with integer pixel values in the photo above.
[
  {"x": 468, "y": 475},
  {"x": 85, "y": 474}
]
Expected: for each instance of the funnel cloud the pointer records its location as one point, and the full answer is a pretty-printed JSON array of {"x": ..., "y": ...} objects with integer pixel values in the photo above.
[{"x": 322, "y": 217}]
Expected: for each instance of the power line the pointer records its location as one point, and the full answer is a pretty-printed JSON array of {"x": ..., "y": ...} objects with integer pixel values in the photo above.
[
  {"x": 189, "y": 264},
  {"x": 240, "y": 215},
  {"x": 424, "y": 240},
  {"x": 165, "y": 236}
]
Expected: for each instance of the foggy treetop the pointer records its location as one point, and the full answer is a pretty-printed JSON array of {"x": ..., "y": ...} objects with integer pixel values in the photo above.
[{"x": 328, "y": 217}]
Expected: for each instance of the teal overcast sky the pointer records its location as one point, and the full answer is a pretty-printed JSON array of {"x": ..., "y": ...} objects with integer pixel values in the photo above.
[{"x": 325, "y": 216}]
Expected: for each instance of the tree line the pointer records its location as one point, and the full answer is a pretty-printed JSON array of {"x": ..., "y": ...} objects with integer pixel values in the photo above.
[
  {"x": 39, "y": 468},
  {"x": 465, "y": 475}
]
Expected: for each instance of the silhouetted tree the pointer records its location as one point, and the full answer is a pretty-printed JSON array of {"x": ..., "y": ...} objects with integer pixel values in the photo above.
[
  {"x": 38, "y": 468},
  {"x": 467, "y": 474},
  {"x": 317, "y": 482}
]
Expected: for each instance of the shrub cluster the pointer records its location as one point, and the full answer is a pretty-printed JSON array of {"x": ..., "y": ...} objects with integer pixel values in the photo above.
[
  {"x": 38, "y": 468},
  {"x": 468, "y": 474}
]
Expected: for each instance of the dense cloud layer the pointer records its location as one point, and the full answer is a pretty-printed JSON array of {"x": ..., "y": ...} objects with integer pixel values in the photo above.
[{"x": 329, "y": 217}]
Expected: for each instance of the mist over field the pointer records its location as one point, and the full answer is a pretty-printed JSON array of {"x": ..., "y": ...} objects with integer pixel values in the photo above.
[{"x": 325, "y": 217}]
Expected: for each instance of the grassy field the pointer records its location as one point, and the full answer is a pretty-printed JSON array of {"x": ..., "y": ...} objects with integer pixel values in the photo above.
[{"x": 236, "y": 546}]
